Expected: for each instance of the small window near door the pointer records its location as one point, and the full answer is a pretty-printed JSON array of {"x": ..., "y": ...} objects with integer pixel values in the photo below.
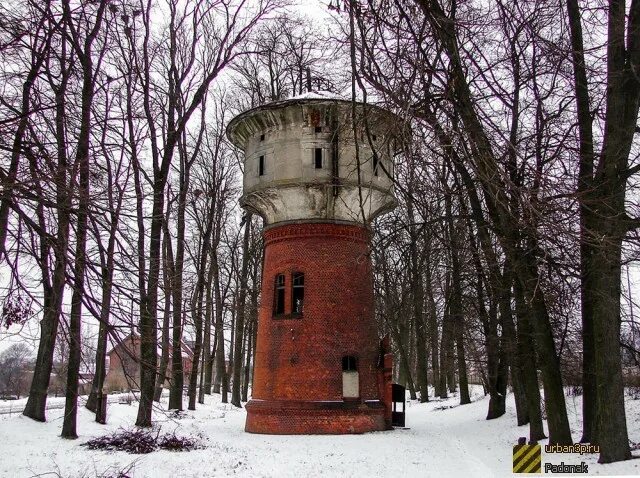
[
  {"x": 261, "y": 166},
  {"x": 317, "y": 158},
  {"x": 297, "y": 293},
  {"x": 278, "y": 296}
]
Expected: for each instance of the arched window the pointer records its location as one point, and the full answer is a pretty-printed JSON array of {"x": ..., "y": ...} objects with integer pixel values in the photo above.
[
  {"x": 278, "y": 296},
  {"x": 297, "y": 292}
]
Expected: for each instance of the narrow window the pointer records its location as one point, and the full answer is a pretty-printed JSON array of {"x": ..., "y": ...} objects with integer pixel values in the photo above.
[
  {"x": 261, "y": 166},
  {"x": 318, "y": 129},
  {"x": 262, "y": 137},
  {"x": 375, "y": 163},
  {"x": 297, "y": 293},
  {"x": 278, "y": 299},
  {"x": 317, "y": 158},
  {"x": 374, "y": 137},
  {"x": 349, "y": 363}
]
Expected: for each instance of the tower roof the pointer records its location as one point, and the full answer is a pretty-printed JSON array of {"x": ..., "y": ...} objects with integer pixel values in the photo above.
[{"x": 238, "y": 137}]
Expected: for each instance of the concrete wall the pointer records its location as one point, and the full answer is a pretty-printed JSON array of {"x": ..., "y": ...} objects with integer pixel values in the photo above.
[{"x": 291, "y": 187}]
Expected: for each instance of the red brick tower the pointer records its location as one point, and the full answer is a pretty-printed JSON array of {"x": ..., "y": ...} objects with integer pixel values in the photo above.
[{"x": 319, "y": 365}]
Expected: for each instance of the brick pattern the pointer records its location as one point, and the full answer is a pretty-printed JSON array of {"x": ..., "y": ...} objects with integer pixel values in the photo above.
[
  {"x": 299, "y": 358},
  {"x": 286, "y": 418}
]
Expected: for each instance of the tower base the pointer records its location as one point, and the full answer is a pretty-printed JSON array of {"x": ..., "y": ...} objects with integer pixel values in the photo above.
[{"x": 289, "y": 417}]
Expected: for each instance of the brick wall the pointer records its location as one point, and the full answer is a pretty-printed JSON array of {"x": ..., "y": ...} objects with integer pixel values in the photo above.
[{"x": 299, "y": 358}]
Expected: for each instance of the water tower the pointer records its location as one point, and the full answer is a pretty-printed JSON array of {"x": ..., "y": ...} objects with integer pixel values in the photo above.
[{"x": 318, "y": 170}]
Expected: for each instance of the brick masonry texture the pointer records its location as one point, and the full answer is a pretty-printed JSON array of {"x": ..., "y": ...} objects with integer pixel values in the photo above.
[{"x": 297, "y": 385}]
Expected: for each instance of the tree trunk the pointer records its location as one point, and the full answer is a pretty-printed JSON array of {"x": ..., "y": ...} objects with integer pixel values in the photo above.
[
  {"x": 510, "y": 345},
  {"x": 205, "y": 380},
  {"x": 166, "y": 321},
  {"x": 455, "y": 303},
  {"x": 445, "y": 346},
  {"x": 219, "y": 328},
  {"x": 82, "y": 161},
  {"x": 527, "y": 357},
  {"x": 417, "y": 293},
  {"x": 239, "y": 325},
  {"x": 612, "y": 424},
  {"x": 247, "y": 363},
  {"x": 105, "y": 308},
  {"x": 53, "y": 296},
  {"x": 197, "y": 307}
]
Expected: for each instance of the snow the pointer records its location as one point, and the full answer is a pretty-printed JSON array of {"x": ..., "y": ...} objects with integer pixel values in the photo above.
[
  {"x": 317, "y": 95},
  {"x": 440, "y": 441}
]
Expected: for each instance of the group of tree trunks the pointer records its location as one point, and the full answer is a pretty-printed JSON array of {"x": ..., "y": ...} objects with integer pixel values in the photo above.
[{"x": 120, "y": 188}]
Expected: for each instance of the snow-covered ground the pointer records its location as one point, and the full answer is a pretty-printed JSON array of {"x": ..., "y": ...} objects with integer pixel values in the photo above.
[{"x": 440, "y": 441}]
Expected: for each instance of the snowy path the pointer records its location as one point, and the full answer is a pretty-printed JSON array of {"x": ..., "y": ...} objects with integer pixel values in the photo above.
[{"x": 455, "y": 442}]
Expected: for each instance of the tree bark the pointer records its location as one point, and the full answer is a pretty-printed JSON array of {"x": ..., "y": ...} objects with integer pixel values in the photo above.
[
  {"x": 240, "y": 322},
  {"x": 527, "y": 357},
  {"x": 166, "y": 322}
]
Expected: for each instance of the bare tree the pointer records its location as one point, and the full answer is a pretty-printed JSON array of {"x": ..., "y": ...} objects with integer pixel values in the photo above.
[{"x": 14, "y": 363}]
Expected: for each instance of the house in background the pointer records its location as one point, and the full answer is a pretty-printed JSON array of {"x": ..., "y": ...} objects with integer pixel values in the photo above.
[{"x": 123, "y": 364}]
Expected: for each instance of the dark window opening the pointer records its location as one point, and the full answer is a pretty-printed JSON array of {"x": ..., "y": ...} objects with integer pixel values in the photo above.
[
  {"x": 297, "y": 294},
  {"x": 374, "y": 137},
  {"x": 278, "y": 299},
  {"x": 261, "y": 166},
  {"x": 318, "y": 129},
  {"x": 349, "y": 363},
  {"x": 317, "y": 158},
  {"x": 375, "y": 163},
  {"x": 262, "y": 137}
]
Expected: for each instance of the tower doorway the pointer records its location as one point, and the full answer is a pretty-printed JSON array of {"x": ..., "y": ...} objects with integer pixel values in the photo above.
[{"x": 350, "y": 378}]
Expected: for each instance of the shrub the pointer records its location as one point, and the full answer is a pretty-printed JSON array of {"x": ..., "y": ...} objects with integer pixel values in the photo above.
[{"x": 141, "y": 441}]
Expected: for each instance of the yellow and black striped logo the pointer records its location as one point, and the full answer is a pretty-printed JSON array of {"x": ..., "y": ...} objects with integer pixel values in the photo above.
[{"x": 527, "y": 459}]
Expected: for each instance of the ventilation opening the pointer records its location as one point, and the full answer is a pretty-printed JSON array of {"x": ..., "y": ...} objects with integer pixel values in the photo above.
[{"x": 317, "y": 158}]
